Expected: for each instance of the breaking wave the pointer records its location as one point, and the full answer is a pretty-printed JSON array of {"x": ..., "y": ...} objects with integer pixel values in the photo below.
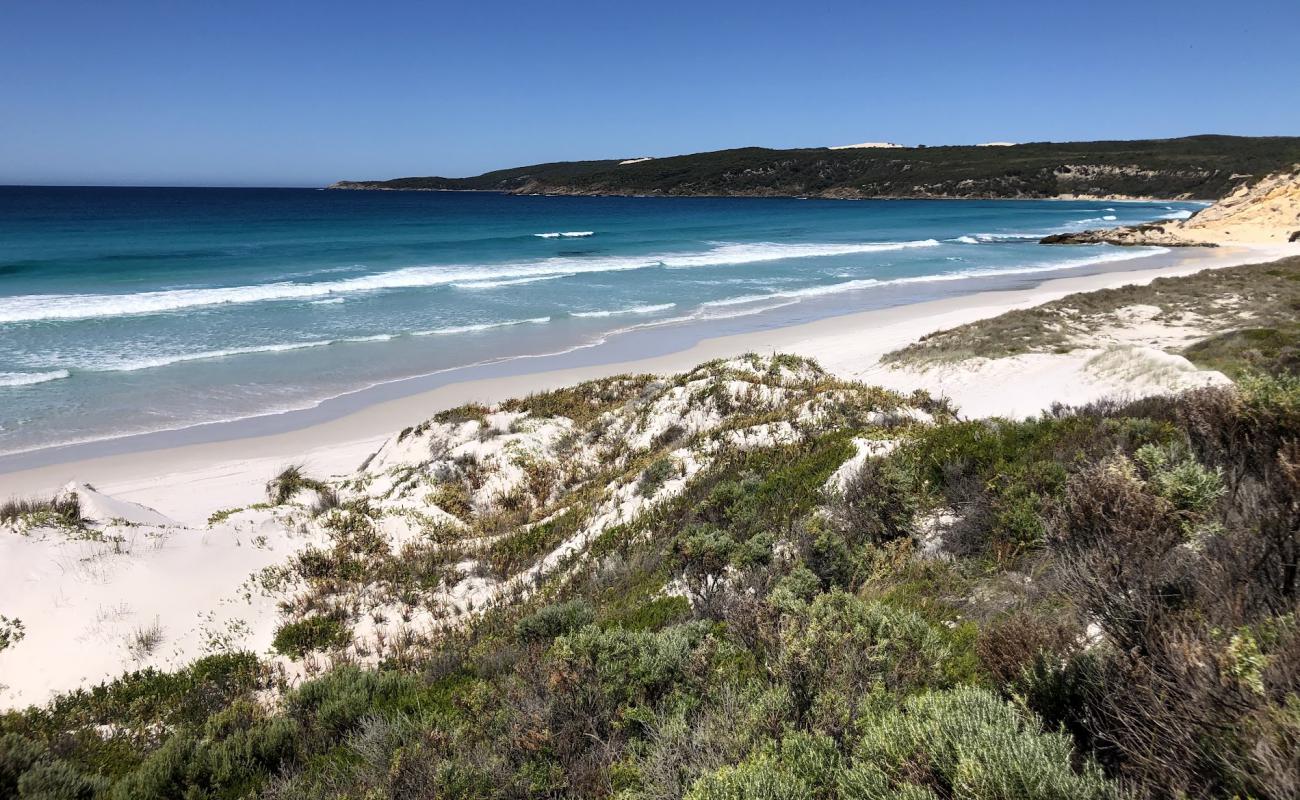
[
  {"x": 30, "y": 378},
  {"x": 31, "y": 308}
]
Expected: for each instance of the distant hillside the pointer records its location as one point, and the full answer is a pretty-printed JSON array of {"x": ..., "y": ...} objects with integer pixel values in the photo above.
[{"x": 1203, "y": 167}]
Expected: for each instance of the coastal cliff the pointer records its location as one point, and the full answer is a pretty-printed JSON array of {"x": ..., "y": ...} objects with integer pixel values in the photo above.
[
  {"x": 1267, "y": 211},
  {"x": 1201, "y": 167}
]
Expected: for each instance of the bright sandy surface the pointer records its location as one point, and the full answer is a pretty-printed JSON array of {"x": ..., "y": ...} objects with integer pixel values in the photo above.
[{"x": 88, "y": 605}]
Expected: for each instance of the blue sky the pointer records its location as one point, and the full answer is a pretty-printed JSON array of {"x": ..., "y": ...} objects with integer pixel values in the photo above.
[{"x": 294, "y": 94}]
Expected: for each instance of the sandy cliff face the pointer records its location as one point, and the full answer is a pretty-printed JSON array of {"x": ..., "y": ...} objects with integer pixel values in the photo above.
[
  {"x": 1268, "y": 211},
  {"x": 1265, "y": 212}
]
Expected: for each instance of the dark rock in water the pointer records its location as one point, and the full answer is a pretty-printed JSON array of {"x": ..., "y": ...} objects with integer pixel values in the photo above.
[
  {"x": 1295, "y": 236},
  {"x": 1150, "y": 234}
]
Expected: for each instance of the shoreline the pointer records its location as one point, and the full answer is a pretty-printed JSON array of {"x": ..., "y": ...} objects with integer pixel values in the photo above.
[{"x": 228, "y": 469}]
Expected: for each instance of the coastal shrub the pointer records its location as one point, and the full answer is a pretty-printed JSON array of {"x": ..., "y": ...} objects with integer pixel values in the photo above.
[
  {"x": 843, "y": 647},
  {"x": 965, "y": 742},
  {"x": 297, "y": 639},
  {"x": 1179, "y": 479},
  {"x": 57, "y": 780},
  {"x": 17, "y": 755},
  {"x": 1238, "y": 353},
  {"x": 554, "y": 620},
  {"x": 801, "y": 766},
  {"x": 470, "y": 412},
  {"x": 454, "y": 498},
  {"x": 585, "y": 401},
  {"x": 876, "y": 504}
]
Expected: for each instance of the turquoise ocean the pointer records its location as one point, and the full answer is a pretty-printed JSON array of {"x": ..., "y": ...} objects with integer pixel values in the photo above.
[{"x": 130, "y": 310}]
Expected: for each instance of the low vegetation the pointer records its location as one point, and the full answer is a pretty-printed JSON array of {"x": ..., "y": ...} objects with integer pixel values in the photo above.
[
  {"x": 1237, "y": 319},
  {"x": 847, "y": 594},
  {"x": 60, "y": 511}
]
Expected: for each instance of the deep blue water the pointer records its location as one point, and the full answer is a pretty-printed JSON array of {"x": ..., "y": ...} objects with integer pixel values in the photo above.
[{"x": 127, "y": 310}]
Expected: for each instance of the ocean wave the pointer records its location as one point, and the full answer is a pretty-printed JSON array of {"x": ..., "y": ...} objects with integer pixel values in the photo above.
[
  {"x": 482, "y": 326},
  {"x": 955, "y": 275},
  {"x": 509, "y": 281},
  {"x": 1177, "y": 215},
  {"x": 779, "y": 251},
  {"x": 31, "y": 378},
  {"x": 31, "y": 308},
  {"x": 128, "y": 364},
  {"x": 993, "y": 238},
  {"x": 333, "y": 301},
  {"x": 565, "y": 235},
  {"x": 628, "y": 310}
]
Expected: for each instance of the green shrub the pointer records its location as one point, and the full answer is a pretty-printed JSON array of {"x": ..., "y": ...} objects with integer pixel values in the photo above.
[
  {"x": 555, "y": 620},
  {"x": 801, "y": 766},
  {"x": 968, "y": 743},
  {"x": 844, "y": 646},
  {"x": 1180, "y": 479},
  {"x": 877, "y": 503},
  {"x": 17, "y": 755},
  {"x": 297, "y": 639}
]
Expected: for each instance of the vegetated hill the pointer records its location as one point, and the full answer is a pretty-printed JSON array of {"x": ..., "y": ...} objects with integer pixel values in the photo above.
[
  {"x": 1204, "y": 167},
  {"x": 749, "y": 580}
]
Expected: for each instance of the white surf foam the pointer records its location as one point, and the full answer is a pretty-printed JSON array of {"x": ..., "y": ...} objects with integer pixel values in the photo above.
[
  {"x": 509, "y": 281},
  {"x": 565, "y": 235},
  {"x": 31, "y": 378},
  {"x": 1177, "y": 215},
  {"x": 30, "y": 308},
  {"x": 484, "y": 326},
  {"x": 955, "y": 275},
  {"x": 993, "y": 238},
  {"x": 628, "y": 310}
]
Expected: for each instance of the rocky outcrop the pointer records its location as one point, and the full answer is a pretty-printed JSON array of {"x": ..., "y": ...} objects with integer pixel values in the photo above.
[
  {"x": 1264, "y": 212},
  {"x": 1149, "y": 235}
]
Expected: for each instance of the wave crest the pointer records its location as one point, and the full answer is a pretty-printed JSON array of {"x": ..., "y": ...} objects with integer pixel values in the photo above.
[
  {"x": 31, "y": 378},
  {"x": 32, "y": 308}
]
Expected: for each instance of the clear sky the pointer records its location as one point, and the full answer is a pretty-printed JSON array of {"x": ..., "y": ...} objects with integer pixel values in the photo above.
[{"x": 226, "y": 92}]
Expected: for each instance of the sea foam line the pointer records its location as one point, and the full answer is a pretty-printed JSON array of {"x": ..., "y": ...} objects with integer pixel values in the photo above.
[
  {"x": 136, "y": 364},
  {"x": 565, "y": 235},
  {"x": 629, "y": 310},
  {"x": 31, "y": 308},
  {"x": 31, "y": 378}
]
